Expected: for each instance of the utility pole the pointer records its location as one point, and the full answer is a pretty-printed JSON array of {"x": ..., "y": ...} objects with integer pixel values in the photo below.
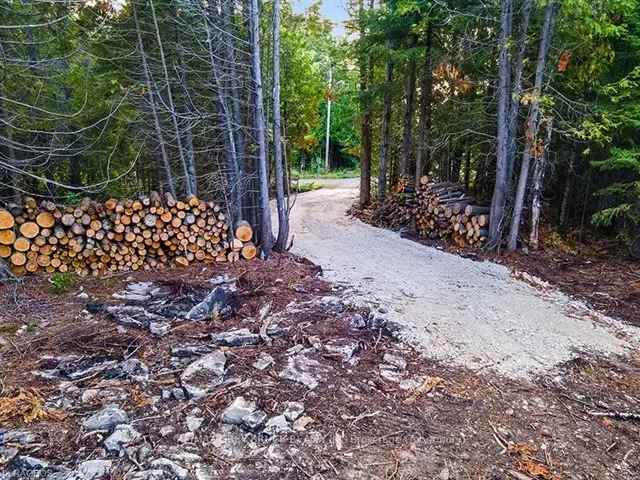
[{"x": 326, "y": 147}]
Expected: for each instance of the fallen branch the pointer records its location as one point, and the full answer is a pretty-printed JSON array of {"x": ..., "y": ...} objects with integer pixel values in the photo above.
[
  {"x": 617, "y": 415},
  {"x": 265, "y": 320}
]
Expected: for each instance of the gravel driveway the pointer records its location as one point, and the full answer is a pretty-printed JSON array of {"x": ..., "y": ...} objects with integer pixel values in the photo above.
[{"x": 469, "y": 313}]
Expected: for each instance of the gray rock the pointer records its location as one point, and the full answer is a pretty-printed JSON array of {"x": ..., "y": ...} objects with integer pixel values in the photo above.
[
  {"x": 411, "y": 383},
  {"x": 205, "y": 472},
  {"x": 302, "y": 369},
  {"x": 236, "y": 338},
  {"x": 211, "y": 306},
  {"x": 107, "y": 418},
  {"x": 293, "y": 410},
  {"x": 21, "y": 437},
  {"x": 149, "y": 475},
  {"x": 275, "y": 425},
  {"x": 165, "y": 464},
  {"x": 27, "y": 463},
  {"x": 376, "y": 321},
  {"x": 357, "y": 322},
  {"x": 194, "y": 423},
  {"x": 255, "y": 420},
  {"x": 95, "y": 469},
  {"x": 344, "y": 347},
  {"x": 178, "y": 393},
  {"x": 390, "y": 374},
  {"x": 235, "y": 413},
  {"x": 333, "y": 302},
  {"x": 130, "y": 297},
  {"x": 204, "y": 374},
  {"x": 186, "y": 437},
  {"x": 263, "y": 361},
  {"x": 190, "y": 350},
  {"x": 133, "y": 369},
  {"x": 7, "y": 454},
  {"x": 395, "y": 360},
  {"x": 122, "y": 436},
  {"x": 159, "y": 329},
  {"x": 166, "y": 430}
]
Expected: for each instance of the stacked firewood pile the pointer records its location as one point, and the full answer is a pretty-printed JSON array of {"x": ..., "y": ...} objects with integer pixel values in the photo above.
[
  {"x": 395, "y": 212},
  {"x": 447, "y": 211},
  {"x": 118, "y": 235}
]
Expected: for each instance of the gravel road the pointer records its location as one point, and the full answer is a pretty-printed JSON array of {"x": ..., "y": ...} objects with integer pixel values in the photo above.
[{"x": 465, "y": 312}]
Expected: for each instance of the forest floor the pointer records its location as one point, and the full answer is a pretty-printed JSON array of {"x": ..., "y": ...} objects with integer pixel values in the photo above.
[
  {"x": 476, "y": 314},
  {"x": 321, "y": 388}
]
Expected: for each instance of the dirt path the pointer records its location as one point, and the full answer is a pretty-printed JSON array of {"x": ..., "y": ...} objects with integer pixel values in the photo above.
[{"x": 469, "y": 313}]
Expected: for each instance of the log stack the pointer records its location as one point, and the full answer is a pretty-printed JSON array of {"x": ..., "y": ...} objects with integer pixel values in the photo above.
[
  {"x": 446, "y": 211},
  {"x": 119, "y": 235}
]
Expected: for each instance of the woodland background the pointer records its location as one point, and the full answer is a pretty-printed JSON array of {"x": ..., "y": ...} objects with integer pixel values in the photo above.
[{"x": 113, "y": 98}]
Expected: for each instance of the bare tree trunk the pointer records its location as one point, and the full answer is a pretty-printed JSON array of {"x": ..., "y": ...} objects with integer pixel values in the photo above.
[
  {"x": 11, "y": 153},
  {"x": 406, "y": 159},
  {"x": 233, "y": 171},
  {"x": 385, "y": 139},
  {"x": 426, "y": 87},
  {"x": 190, "y": 183},
  {"x": 234, "y": 85},
  {"x": 366, "y": 77},
  {"x": 283, "y": 214},
  {"x": 504, "y": 94},
  {"x": 265, "y": 210},
  {"x": 467, "y": 168},
  {"x": 514, "y": 109},
  {"x": 164, "y": 158},
  {"x": 531, "y": 135},
  {"x": 564, "y": 206},
  {"x": 537, "y": 187}
]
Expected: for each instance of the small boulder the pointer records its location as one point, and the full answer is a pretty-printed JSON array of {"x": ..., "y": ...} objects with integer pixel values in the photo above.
[
  {"x": 95, "y": 469},
  {"x": 172, "y": 467},
  {"x": 293, "y": 410},
  {"x": 107, "y": 418},
  {"x": 275, "y": 425},
  {"x": 204, "y": 374},
  {"x": 211, "y": 307},
  {"x": 357, "y": 322},
  {"x": 302, "y": 369},
  {"x": 395, "y": 361},
  {"x": 263, "y": 361},
  {"x": 343, "y": 347},
  {"x": 236, "y": 338},
  {"x": 122, "y": 436}
]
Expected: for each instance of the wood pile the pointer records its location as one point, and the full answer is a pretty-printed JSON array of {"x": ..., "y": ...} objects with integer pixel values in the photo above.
[
  {"x": 446, "y": 211},
  {"x": 119, "y": 235},
  {"x": 395, "y": 212}
]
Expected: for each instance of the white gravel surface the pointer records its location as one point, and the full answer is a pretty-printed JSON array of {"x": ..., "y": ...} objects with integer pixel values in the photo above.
[{"x": 466, "y": 312}]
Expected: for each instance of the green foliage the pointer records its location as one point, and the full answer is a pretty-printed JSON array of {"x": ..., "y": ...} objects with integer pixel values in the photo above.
[{"x": 62, "y": 282}]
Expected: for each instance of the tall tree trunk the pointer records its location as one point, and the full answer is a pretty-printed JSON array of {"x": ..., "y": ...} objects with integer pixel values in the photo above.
[
  {"x": 11, "y": 153},
  {"x": 385, "y": 138},
  {"x": 406, "y": 159},
  {"x": 537, "y": 188},
  {"x": 531, "y": 132},
  {"x": 366, "y": 76},
  {"x": 283, "y": 214},
  {"x": 234, "y": 85},
  {"x": 504, "y": 94},
  {"x": 190, "y": 183},
  {"x": 151, "y": 89},
  {"x": 423, "y": 158},
  {"x": 566, "y": 194},
  {"x": 467, "y": 169},
  {"x": 231, "y": 154},
  {"x": 514, "y": 109},
  {"x": 261, "y": 136}
]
